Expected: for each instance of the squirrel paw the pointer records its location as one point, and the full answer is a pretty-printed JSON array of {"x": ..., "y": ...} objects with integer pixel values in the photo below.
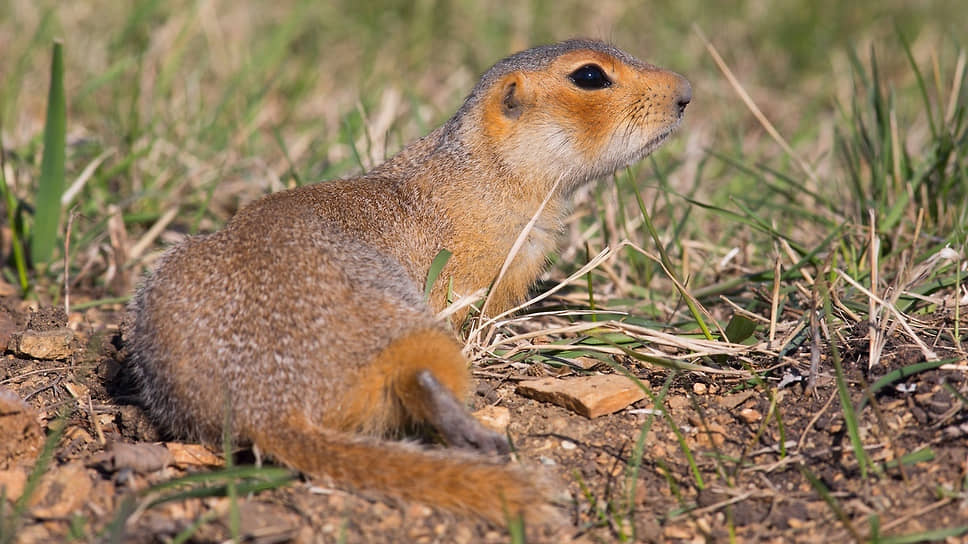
[{"x": 454, "y": 422}]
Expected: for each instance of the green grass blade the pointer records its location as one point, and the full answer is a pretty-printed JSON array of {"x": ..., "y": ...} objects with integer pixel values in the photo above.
[
  {"x": 111, "y": 75},
  {"x": 921, "y": 85},
  {"x": 51, "y": 184},
  {"x": 236, "y": 473},
  {"x": 516, "y": 529},
  {"x": 638, "y": 451},
  {"x": 923, "y": 455},
  {"x": 658, "y": 403},
  {"x": 16, "y": 233},
  {"x": 667, "y": 263},
  {"x": 231, "y": 489},
  {"x": 440, "y": 260},
  {"x": 189, "y": 532},
  {"x": 739, "y": 329},
  {"x": 780, "y": 427},
  {"x": 956, "y": 394},
  {"x": 850, "y": 416},
  {"x": 227, "y": 490},
  {"x": 902, "y": 373}
]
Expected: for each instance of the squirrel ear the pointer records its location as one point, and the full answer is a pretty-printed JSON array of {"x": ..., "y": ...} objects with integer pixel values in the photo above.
[{"x": 513, "y": 91}]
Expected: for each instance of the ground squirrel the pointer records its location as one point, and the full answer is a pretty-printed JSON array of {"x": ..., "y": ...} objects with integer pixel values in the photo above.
[{"x": 304, "y": 325}]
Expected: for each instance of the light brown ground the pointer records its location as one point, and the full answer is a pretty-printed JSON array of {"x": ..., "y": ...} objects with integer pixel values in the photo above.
[{"x": 765, "y": 497}]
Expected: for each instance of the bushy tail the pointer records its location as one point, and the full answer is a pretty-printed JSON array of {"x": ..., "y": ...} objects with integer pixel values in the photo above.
[{"x": 452, "y": 479}]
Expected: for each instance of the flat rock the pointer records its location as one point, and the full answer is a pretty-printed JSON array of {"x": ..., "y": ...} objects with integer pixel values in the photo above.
[
  {"x": 192, "y": 455},
  {"x": 590, "y": 396},
  {"x": 21, "y": 436},
  {"x": 496, "y": 418},
  {"x": 50, "y": 344},
  {"x": 731, "y": 402}
]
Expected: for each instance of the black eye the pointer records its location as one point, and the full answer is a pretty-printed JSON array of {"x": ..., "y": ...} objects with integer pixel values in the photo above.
[{"x": 590, "y": 77}]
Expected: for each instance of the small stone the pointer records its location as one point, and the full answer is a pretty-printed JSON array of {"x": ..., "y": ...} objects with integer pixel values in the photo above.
[
  {"x": 556, "y": 424},
  {"x": 77, "y": 390},
  {"x": 463, "y": 535},
  {"x": 712, "y": 434},
  {"x": 590, "y": 396},
  {"x": 51, "y": 344},
  {"x": 677, "y": 533},
  {"x": 496, "y": 418},
  {"x": 418, "y": 511},
  {"x": 77, "y": 435},
  {"x": 568, "y": 445},
  {"x": 678, "y": 403},
  {"x": 699, "y": 388},
  {"x": 750, "y": 415},
  {"x": 730, "y": 402}
]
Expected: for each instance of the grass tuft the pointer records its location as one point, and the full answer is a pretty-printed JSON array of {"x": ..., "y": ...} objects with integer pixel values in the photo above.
[{"x": 50, "y": 185}]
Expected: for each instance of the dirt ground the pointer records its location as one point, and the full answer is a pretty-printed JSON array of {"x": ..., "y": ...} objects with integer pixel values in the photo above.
[{"x": 752, "y": 490}]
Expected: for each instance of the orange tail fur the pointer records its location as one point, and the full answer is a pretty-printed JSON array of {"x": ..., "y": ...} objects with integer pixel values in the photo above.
[{"x": 451, "y": 479}]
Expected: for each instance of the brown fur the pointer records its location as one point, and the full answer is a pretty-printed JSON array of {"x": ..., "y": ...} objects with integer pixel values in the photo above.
[{"x": 305, "y": 317}]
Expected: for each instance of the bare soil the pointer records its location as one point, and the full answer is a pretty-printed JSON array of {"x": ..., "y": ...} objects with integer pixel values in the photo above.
[{"x": 732, "y": 428}]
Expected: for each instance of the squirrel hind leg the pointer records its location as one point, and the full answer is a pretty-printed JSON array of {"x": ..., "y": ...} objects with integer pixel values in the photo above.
[
  {"x": 420, "y": 378},
  {"x": 386, "y": 397},
  {"x": 438, "y": 406}
]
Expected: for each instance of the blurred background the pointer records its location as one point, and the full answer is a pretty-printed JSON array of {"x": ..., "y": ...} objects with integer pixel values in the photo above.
[{"x": 200, "y": 106}]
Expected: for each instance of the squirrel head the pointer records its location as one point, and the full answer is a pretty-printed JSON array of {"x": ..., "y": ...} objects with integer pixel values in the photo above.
[{"x": 577, "y": 110}]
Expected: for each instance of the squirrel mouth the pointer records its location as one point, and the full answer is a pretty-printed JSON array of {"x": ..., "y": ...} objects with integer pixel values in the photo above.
[{"x": 653, "y": 143}]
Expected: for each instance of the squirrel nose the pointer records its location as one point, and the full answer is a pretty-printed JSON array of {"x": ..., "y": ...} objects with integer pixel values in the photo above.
[{"x": 685, "y": 94}]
